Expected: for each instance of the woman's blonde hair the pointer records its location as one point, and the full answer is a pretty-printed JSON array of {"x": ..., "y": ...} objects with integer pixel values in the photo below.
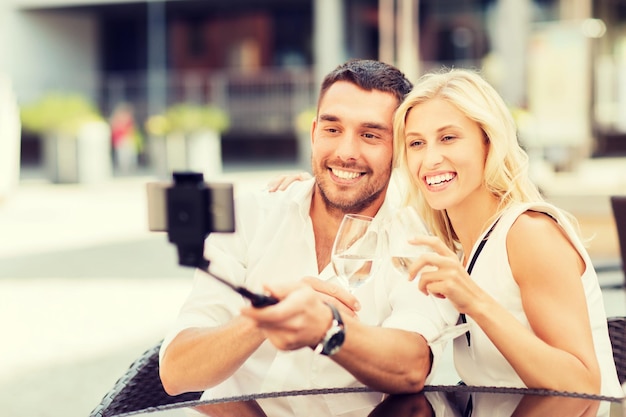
[{"x": 506, "y": 165}]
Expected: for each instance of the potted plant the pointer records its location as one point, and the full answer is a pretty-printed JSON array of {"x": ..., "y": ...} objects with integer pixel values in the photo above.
[
  {"x": 76, "y": 138},
  {"x": 188, "y": 137}
]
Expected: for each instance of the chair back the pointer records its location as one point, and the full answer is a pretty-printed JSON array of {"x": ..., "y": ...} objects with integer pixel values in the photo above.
[
  {"x": 618, "y": 204},
  {"x": 140, "y": 388},
  {"x": 617, "y": 333}
]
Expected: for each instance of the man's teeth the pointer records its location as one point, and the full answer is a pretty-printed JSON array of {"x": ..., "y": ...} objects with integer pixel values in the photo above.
[
  {"x": 346, "y": 175},
  {"x": 439, "y": 179}
]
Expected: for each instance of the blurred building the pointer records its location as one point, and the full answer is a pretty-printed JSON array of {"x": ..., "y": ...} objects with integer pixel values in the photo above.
[{"x": 561, "y": 64}]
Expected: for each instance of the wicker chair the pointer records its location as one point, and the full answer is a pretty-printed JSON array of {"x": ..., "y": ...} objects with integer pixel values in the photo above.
[
  {"x": 140, "y": 388},
  {"x": 618, "y": 204},
  {"x": 617, "y": 333}
]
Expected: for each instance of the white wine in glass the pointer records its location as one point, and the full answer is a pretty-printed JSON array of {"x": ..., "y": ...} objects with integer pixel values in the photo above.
[
  {"x": 404, "y": 225},
  {"x": 354, "y": 250}
]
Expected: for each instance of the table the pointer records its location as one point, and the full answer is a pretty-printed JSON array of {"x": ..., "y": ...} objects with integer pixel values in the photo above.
[{"x": 434, "y": 401}]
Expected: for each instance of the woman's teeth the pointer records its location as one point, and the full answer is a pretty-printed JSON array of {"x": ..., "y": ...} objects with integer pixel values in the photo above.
[{"x": 439, "y": 179}]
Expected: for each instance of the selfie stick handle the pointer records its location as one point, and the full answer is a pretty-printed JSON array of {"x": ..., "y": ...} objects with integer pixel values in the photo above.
[{"x": 257, "y": 300}]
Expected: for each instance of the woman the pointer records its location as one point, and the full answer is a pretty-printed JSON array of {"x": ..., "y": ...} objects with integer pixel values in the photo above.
[{"x": 533, "y": 301}]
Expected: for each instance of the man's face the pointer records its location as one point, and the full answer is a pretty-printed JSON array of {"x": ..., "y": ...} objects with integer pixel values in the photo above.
[{"x": 352, "y": 146}]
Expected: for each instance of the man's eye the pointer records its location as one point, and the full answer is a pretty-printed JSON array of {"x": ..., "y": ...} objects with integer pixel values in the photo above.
[{"x": 370, "y": 136}]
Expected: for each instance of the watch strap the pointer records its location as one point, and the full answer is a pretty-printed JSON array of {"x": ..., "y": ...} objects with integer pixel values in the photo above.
[{"x": 334, "y": 337}]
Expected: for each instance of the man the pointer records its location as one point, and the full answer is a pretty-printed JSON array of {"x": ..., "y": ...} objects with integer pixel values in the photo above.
[{"x": 224, "y": 347}]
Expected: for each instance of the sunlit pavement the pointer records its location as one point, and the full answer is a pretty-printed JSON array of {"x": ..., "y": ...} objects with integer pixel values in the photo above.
[{"x": 85, "y": 288}]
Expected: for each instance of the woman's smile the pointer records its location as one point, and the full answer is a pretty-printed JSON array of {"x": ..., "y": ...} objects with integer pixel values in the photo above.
[{"x": 438, "y": 181}]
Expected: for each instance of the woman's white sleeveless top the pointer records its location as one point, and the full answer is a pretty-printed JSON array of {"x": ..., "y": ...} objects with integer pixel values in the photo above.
[{"x": 481, "y": 363}]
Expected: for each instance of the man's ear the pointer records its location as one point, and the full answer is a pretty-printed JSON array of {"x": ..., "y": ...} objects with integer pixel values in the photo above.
[{"x": 313, "y": 127}]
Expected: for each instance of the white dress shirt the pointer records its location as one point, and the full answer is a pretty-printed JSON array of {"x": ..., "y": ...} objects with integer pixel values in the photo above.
[{"x": 274, "y": 243}]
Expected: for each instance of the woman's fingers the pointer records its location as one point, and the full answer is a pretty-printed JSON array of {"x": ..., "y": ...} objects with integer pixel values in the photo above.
[
  {"x": 275, "y": 183},
  {"x": 426, "y": 262},
  {"x": 434, "y": 243},
  {"x": 281, "y": 182},
  {"x": 432, "y": 285},
  {"x": 451, "y": 281}
]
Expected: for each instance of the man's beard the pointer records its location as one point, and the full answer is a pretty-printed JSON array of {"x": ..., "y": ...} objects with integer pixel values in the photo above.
[{"x": 356, "y": 204}]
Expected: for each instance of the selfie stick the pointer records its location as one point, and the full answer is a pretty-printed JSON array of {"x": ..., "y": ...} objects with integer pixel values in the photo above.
[
  {"x": 257, "y": 300},
  {"x": 189, "y": 224}
]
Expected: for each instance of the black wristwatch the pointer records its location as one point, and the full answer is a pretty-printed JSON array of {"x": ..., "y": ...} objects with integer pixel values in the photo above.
[{"x": 332, "y": 341}]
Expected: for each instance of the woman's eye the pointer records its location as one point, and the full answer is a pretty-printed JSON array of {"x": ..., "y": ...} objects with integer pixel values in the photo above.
[
  {"x": 447, "y": 138},
  {"x": 416, "y": 143}
]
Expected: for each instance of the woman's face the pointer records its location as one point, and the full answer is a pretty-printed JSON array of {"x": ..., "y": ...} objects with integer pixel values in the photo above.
[{"x": 446, "y": 153}]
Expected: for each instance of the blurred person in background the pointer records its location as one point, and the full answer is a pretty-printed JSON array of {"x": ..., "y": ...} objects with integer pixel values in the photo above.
[
  {"x": 125, "y": 137},
  {"x": 224, "y": 347}
]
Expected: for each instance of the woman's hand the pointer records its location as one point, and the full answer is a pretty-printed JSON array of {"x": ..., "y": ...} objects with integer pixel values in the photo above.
[
  {"x": 443, "y": 275},
  {"x": 281, "y": 182}
]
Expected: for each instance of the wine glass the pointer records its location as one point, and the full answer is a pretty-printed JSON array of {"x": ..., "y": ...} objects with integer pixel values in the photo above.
[
  {"x": 354, "y": 250},
  {"x": 404, "y": 225}
]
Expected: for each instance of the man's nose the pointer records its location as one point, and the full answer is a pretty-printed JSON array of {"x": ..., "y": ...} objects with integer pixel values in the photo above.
[{"x": 349, "y": 147}]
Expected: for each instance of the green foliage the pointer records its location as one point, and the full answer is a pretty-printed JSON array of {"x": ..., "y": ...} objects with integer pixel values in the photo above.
[
  {"x": 187, "y": 118},
  {"x": 58, "y": 112},
  {"x": 304, "y": 120}
]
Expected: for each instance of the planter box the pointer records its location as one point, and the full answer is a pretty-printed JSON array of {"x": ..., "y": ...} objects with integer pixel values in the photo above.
[
  {"x": 84, "y": 158},
  {"x": 199, "y": 152}
]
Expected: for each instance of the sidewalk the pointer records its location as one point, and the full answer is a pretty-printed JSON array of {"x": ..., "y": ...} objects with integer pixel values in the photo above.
[
  {"x": 41, "y": 216},
  {"x": 85, "y": 288}
]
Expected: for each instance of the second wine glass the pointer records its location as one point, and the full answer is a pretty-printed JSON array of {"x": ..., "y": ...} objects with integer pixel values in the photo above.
[
  {"x": 404, "y": 225},
  {"x": 354, "y": 250}
]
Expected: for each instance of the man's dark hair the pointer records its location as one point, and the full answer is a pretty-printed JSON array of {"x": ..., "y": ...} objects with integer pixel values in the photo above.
[{"x": 369, "y": 75}]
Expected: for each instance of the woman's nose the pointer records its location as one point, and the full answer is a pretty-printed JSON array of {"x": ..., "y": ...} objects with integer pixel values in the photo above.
[{"x": 432, "y": 156}]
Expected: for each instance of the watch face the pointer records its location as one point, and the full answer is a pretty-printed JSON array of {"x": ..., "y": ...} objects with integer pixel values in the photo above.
[{"x": 334, "y": 343}]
